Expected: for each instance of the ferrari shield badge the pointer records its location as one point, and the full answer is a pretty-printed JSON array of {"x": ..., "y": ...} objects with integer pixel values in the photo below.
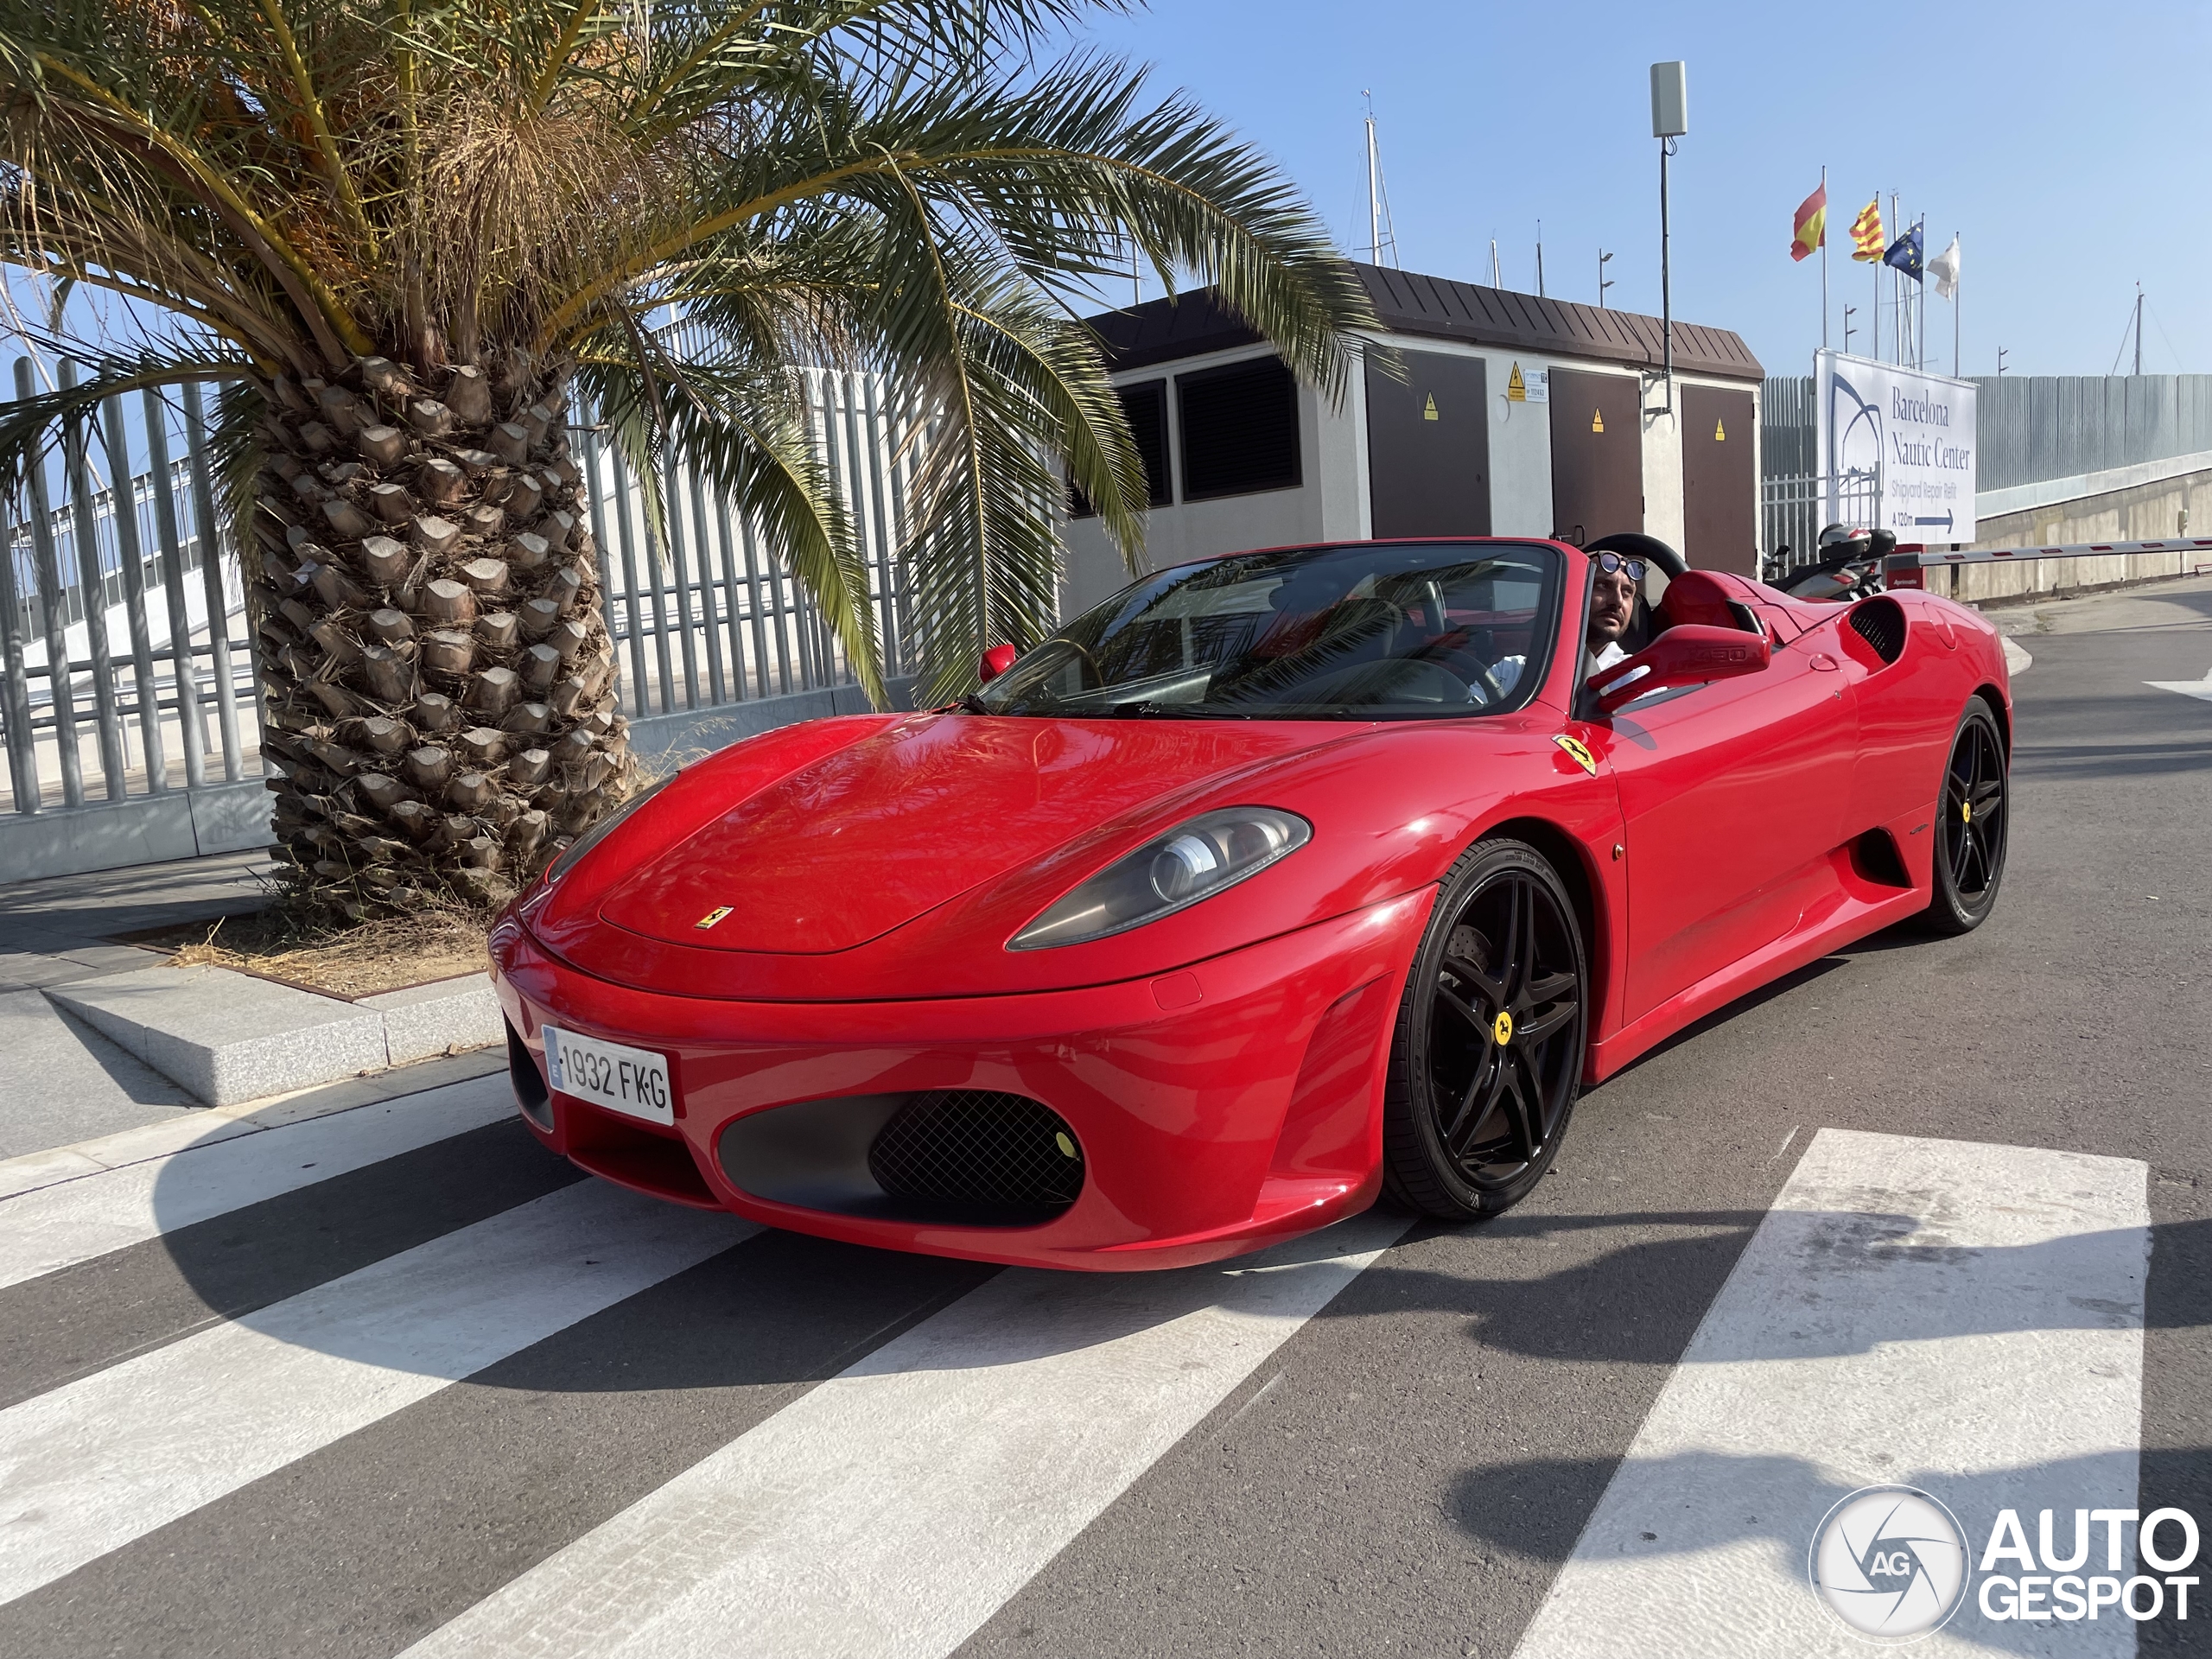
[
  {"x": 1576, "y": 752},
  {"x": 712, "y": 917}
]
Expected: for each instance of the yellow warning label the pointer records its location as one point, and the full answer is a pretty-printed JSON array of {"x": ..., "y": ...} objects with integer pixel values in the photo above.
[
  {"x": 1596, "y": 420},
  {"x": 1576, "y": 752},
  {"x": 1517, "y": 389},
  {"x": 1719, "y": 432},
  {"x": 1428, "y": 410}
]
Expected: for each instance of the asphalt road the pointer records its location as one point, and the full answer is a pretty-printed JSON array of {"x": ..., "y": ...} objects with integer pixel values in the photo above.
[{"x": 1396, "y": 1455}]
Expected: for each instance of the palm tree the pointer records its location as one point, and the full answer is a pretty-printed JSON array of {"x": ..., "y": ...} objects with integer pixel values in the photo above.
[{"x": 404, "y": 235}]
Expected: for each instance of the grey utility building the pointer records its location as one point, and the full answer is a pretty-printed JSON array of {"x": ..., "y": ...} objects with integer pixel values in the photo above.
[{"x": 1510, "y": 415}]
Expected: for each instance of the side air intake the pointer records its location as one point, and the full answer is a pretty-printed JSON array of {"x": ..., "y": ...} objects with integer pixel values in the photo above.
[{"x": 1880, "y": 623}]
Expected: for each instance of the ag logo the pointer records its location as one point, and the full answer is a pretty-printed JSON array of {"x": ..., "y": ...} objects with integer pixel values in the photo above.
[
  {"x": 1890, "y": 1562},
  {"x": 1576, "y": 753}
]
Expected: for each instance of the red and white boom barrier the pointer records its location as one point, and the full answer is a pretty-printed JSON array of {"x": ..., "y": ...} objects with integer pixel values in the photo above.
[{"x": 1903, "y": 569}]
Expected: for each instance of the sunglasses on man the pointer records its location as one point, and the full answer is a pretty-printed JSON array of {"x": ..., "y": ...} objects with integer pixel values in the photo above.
[{"x": 1613, "y": 564}]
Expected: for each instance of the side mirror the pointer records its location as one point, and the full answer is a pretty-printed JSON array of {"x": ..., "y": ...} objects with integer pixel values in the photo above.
[
  {"x": 996, "y": 661},
  {"x": 1688, "y": 655}
]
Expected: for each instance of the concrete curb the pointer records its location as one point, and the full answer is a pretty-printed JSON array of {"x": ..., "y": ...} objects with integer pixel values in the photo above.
[
  {"x": 229, "y": 1037},
  {"x": 424, "y": 1021},
  {"x": 33, "y": 1170}
]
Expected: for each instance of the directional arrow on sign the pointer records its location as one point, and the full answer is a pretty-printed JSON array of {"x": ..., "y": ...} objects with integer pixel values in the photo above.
[
  {"x": 2188, "y": 688},
  {"x": 1945, "y": 520}
]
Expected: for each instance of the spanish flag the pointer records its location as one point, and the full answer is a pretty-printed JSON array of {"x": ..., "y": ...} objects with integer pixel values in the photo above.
[
  {"x": 1812, "y": 226},
  {"x": 1866, "y": 233}
]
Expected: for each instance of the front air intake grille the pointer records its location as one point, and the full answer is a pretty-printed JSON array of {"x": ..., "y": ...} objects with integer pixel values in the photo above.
[
  {"x": 973, "y": 1145},
  {"x": 1880, "y": 623}
]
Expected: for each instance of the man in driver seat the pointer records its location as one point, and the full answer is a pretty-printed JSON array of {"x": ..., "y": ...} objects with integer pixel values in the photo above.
[
  {"x": 1615, "y": 580},
  {"x": 1614, "y": 583}
]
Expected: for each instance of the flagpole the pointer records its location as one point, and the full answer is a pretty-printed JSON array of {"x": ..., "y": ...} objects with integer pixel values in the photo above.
[
  {"x": 1920, "y": 299},
  {"x": 1824, "y": 258},
  {"x": 1896, "y": 296},
  {"x": 1955, "y": 320}
]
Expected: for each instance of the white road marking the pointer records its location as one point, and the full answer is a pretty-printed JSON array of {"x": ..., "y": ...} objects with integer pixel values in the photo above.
[
  {"x": 890, "y": 1511},
  {"x": 91, "y": 1465},
  {"x": 54, "y": 1227},
  {"x": 2188, "y": 688},
  {"x": 1964, "y": 1319}
]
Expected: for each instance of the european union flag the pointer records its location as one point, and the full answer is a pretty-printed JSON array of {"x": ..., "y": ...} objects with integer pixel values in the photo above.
[{"x": 1905, "y": 254}]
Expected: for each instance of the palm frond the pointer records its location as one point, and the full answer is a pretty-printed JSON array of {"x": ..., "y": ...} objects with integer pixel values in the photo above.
[{"x": 31, "y": 427}]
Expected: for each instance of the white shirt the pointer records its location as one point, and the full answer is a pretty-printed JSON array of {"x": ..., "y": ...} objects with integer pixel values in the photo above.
[{"x": 1507, "y": 670}]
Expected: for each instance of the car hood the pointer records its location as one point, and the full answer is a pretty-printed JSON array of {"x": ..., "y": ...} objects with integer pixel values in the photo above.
[{"x": 861, "y": 841}]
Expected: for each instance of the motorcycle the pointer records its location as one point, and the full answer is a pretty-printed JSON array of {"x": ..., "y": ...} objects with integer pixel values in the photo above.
[{"x": 1847, "y": 564}]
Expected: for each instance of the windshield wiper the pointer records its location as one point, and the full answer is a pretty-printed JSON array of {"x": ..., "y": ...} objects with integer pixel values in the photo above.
[
  {"x": 1144, "y": 708},
  {"x": 971, "y": 703}
]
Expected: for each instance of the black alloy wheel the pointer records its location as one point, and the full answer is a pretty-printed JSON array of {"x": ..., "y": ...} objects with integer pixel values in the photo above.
[
  {"x": 1972, "y": 821},
  {"x": 1487, "y": 1056}
]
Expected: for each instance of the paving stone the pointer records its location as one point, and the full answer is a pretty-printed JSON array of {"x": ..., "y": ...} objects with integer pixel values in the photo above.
[
  {"x": 426, "y": 1019},
  {"x": 228, "y": 1037}
]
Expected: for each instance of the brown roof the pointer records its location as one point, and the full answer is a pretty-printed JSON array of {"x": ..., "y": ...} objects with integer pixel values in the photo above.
[{"x": 1162, "y": 331}]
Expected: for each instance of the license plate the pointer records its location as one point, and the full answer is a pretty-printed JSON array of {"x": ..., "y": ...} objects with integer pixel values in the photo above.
[{"x": 632, "y": 1081}]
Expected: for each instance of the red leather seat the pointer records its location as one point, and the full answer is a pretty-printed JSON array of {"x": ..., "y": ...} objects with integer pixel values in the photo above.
[{"x": 1698, "y": 599}]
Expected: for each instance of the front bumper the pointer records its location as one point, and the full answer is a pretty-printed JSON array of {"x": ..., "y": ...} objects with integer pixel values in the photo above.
[{"x": 1220, "y": 1108}]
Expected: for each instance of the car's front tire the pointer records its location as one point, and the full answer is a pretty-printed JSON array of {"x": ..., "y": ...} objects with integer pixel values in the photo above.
[
  {"x": 1486, "y": 1058},
  {"x": 1973, "y": 824}
]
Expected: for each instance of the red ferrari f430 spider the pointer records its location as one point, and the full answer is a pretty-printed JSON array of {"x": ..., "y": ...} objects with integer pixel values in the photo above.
[{"x": 1276, "y": 882}]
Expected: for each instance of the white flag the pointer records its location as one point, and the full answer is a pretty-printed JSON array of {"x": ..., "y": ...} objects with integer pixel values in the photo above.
[{"x": 1944, "y": 268}]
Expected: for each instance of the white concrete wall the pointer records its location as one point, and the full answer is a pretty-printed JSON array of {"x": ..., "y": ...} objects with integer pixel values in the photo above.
[{"x": 1662, "y": 468}]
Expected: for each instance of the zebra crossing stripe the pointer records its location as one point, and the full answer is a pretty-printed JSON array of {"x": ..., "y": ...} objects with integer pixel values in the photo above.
[
  {"x": 1963, "y": 1319},
  {"x": 891, "y": 1510},
  {"x": 93, "y": 1464},
  {"x": 55, "y": 1227}
]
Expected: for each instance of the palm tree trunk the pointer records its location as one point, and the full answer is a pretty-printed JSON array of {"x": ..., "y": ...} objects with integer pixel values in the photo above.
[{"x": 440, "y": 683}]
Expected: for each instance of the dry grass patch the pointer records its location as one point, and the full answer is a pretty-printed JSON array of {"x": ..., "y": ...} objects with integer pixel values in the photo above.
[{"x": 338, "y": 959}]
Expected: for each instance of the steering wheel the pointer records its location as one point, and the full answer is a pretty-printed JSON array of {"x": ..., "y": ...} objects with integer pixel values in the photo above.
[{"x": 1635, "y": 545}]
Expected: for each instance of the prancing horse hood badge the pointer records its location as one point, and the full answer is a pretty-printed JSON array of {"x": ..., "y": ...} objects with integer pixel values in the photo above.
[{"x": 712, "y": 917}]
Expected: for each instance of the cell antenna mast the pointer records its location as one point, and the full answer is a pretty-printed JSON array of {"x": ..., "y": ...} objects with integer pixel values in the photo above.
[
  {"x": 1540, "y": 258},
  {"x": 1670, "y": 119},
  {"x": 1496, "y": 277},
  {"x": 2139, "y": 327},
  {"x": 1381, "y": 233},
  {"x": 1603, "y": 281}
]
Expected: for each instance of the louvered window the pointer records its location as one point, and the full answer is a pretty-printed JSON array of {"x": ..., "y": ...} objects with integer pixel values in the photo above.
[
  {"x": 1239, "y": 429},
  {"x": 1145, "y": 408}
]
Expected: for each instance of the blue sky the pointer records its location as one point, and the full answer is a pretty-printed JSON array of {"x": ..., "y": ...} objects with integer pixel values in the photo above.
[{"x": 2065, "y": 143}]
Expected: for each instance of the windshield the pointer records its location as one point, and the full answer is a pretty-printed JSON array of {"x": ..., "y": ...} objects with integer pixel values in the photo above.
[{"x": 1388, "y": 632}]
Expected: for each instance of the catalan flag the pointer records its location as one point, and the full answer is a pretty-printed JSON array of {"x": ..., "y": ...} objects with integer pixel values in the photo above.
[
  {"x": 1869, "y": 243},
  {"x": 1811, "y": 229}
]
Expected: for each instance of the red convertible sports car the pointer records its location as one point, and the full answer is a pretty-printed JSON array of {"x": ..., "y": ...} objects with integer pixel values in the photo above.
[{"x": 1278, "y": 880}]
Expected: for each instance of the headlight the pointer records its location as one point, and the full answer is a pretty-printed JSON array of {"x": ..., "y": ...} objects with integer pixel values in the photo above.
[
  {"x": 1191, "y": 861},
  {"x": 591, "y": 837}
]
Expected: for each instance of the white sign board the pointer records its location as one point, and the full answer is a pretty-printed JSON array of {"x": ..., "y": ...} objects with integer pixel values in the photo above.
[{"x": 1908, "y": 435}]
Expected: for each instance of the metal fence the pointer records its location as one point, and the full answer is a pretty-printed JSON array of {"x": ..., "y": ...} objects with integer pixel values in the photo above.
[
  {"x": 712, "y": 617},
  {"x": 126, "y": 656},
  {"x": 1793, "y": 508},
  {"x": 2030, "y": 428}
]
